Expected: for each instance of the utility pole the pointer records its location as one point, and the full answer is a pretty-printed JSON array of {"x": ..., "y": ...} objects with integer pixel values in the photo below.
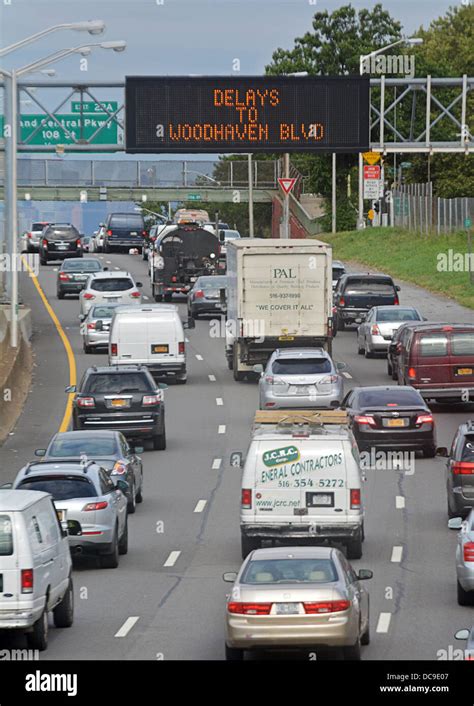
[
  {"x": 333, "y": 219},
  {"x": 251, "y": 235}
]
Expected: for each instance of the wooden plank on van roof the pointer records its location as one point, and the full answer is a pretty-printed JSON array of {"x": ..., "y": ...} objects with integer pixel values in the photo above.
[{"x": 308, "y": 416}]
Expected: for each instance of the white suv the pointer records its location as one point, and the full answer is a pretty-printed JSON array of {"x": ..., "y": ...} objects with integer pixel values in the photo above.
[{"x": 110, "y": 288}]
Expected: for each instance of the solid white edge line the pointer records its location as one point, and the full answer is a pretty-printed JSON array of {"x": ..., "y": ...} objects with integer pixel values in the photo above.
[
  {"x": 383, "y": 622},
  {"x": 200, "y": 505},
  {"x": 172, "y": 559},
  {"x": 199, "y": 357},
  {"x": 397, "y": 553},
  {"x": 127, "y": 626}
]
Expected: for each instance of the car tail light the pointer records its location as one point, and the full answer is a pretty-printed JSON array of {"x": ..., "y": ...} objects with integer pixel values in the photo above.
[
  {"x": 469, "y": 657},
  {"x": 113, "y": 349},
  {"x": 29, "y": 235},
  {"x": 109, "y": 232},
  {"x": 342, "y": 301},
  {"x": 249, "y": 608},
  {"x": 174, "y": 278},
  {"x": 181, "y": 348},
  {"x": 44, "y": 243},
  {"x": 135, "y": 294},
  {"x": 365, "y": 419},
  {"x": 91, "y": 327},
  {"x": 198, "y": 294},
  {"x": 85, "y": 402},
  {"x": 88, "y": 296},
  {"x": 64, "y": 277},
  {"x": 355, "y": 498},
  {"x": 399, "y": 347},
  {"x": 27, "y": 580},
  {"x": 329, "y": 379},
  {"x": 396, "y": 301},
  {"x": 119, "y": 468},
  {"x": 424, "y": 419},
  {"x": 326, "y": 606},
  {"x": 143, "y": 232},
  {"x": 412, "y": 373},
  {"x": 374, "y": 329},
  {"x": 273, "y": 380},
  {"x": 462, "y": 468},
  {"x": 246, "y": 499},
  {"x": 91, "y": 507},
  {"x": 468, "y": 551},
  {"x": 78, "y": 242},
  {"x": 150, "y": 400}
]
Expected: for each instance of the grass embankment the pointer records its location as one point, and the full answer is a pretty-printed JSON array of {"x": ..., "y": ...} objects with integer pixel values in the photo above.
[{"x": 424, "y": 260}]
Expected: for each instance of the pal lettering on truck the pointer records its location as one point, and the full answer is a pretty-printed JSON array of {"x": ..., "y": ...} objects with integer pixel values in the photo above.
[{"x": 301, "y": 482}]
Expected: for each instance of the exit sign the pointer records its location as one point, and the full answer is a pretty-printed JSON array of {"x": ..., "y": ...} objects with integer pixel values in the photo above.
[{"x": 93, "y": 107}]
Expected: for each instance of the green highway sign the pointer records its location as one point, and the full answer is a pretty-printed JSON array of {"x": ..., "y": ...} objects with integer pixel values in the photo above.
[
  {"x": 194, "y": 197},
  {"x": 51, "y": 133},
  {"x": 93, "y": 107}
]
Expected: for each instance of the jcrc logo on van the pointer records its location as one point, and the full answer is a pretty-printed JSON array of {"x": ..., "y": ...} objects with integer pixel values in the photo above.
[{"x": 276, "y": 457}]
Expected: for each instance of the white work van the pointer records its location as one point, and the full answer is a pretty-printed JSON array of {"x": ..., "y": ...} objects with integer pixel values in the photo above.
[
  {"x": 35, "y": 566},
  {"x": 150, "y": 335},
  {"x": 301, "y": 482}
]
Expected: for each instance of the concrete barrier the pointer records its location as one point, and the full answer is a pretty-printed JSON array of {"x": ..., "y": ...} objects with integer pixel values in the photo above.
[{"x": 15, "y": 368}]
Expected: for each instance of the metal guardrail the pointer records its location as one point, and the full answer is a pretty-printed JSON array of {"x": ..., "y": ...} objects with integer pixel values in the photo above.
[{"x": 416, "y": 208}]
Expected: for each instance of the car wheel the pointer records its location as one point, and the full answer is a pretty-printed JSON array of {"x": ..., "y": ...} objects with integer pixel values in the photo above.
[
  {"x": 139, "y": 496},
  {"x": 232, "y": 654},
  {"x": 63, "y": 614},
  {"x": 389, "y": 368},
  {"x": 60, "y": 295},
  {"x": 167, "y": 296},
  {"x": 43, "y": 260},
  {"x": 248, "y": 544},
  {"x": 123, "y": 544},
  {"x": 360, "y": 349},
  {"x": 365, "y": 638},
  {"x": 158, "y": 297},
  {"x": 451, "y": 513},
  {"x": 238, "y": 375},
  {"x": 87, "y": 349},
  {"x": 354, "y": 548},
  {"x": 37, "y": 639},
  {"x": 465, "y": 597},
  {"x": 230, "y": 362},
  {"x": 352, "y": 653},
  {"x": 367, "y": 352},
  {"x": 132, "y": 501},
  {"x": 429, "y": 451},
  {"x": 111, "y": 560},
  {"x": 159, "y": 440}
]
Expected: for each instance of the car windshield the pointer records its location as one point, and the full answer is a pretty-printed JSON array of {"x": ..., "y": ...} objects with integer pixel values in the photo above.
[
  {"x": 6, "y": 536},
  {"x": 468, "y": 450},
  {"x": 103, "y": 312},
  {"x": 82, "y": 266},
  {"x": 217, "y": 282},
  {"x": 90, "y": 446},
  {"x": 61, "y": 487},
  {"x": 397, "y": 314},
  {"x": 117, "y": 383},
  {"x": 126, "y": 221},
  {"x": 368, "y": 286},
  {"x": 231, "y": 235},
  {"x": 301, "y": 366},
  {"x": 289, "y": 571},
  {"x": 112, "y": 284},
  {"x": 389, "y": 398}
]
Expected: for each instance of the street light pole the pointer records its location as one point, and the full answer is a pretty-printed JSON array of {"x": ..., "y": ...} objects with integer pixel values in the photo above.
[
  {"x": 12, "y": 179},
  {"x": 251, "y": 232}
]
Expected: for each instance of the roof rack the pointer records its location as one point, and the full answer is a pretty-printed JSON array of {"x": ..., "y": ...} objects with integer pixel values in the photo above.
[
  {"x": 83, "y": 462},
  {"x": 301, "y": 417}
]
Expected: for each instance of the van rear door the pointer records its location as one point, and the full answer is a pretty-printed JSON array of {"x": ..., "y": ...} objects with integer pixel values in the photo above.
[
  {"x": 276, "y": 497},
  {"x": 430, "y": 360},
  {"x": 9, "y": 569},
  {"x": 461, "y": 358},
  {"x": 321, "y": 476},
  {"x": 131, "y": 337},
  {"x": 162, "y": 338}
]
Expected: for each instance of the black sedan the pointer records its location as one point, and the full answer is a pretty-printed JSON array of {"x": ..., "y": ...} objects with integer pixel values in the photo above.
[
  {"x": 392, "y": 417},
  {"x": 109, "y": 448},
  {"x": 207, "y": 296},
  {"x": 74, "y": 273}
]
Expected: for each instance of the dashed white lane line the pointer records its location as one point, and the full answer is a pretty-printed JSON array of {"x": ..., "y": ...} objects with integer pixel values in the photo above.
[
  {"x": 347, "y": 375},
  {"x": 200, "y": 505},
  {"x": 108, "y": 262},
  {"x": 219, "y": 401},
  {"x": 216, "y": 464},
  {"x": 199, "y": 357},
  {"x": 127, "y": 626},
  {"x": 145, "y": 297},
  {"x": 55, "y": 269},
  {"x": 116, "y": 268},
  {"x": 383, "y": 622},
  {"x": 221, "y": 429},
  {"x": 212, "y": 378},
  {"x": 399, "y": 502},
  {"x": 397, "y": 553},
  {"x": 172, "y": 559},
  {"x": 187, "y": 340}
]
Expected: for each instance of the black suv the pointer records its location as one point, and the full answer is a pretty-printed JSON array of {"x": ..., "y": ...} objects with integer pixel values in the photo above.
[
  {"x": 58, "y": 241},
  {"x": 460, "y": 471},
  {"x": 124, "y": 231},
  {"x": 355, "y": 294},
  {"x": 123, "y": 398}
]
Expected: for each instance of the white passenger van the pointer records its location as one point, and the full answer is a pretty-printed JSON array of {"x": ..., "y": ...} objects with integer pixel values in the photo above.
[
  {"x": 149, "y": 335},
  {"x": 35, "y": 566},
  {"x": 301, "y": 481}
]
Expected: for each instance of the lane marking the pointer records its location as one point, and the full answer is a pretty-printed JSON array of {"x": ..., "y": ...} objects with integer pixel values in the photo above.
[
  {"x": 347, "y": 375},
  {"x": 127, "y": 626},
  {"x": 116, "y": 268},
  {"x": 221, "y": 429},
  {"x": 199, "y": 357},
  {"x": 172, "y": 559},
  {"x": 216, "y": 464},
  {"x": 397, "y": 553},
  {"x": 384, "y": 622},
  {"x": 200, "y": 505},
  {"x": 399, "y": 502},
  {"x": 187, "y": 340},
  {"x": 108, "y": 262},
  {"x": 212, "y": 378},
  {"x": 145, "y": 297},
  {"x": 67, "y": 346},
  {"x": 219, "y": 401}
]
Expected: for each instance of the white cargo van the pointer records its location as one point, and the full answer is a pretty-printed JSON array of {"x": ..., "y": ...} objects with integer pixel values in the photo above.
[
  {"x": 35, "y": 566},
  {"x": 149, "y": 335},
  {"x": 301, "y": 481}
]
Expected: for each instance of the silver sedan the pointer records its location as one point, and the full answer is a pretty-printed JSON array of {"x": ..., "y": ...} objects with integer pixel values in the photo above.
[
  {"x": 464, "y": 558},
  {"x": 95, "y": 334},
  {"x": 296, "y": 598},
  {"x": 375, "y": 333},
  {"x": 300, "y": 378}
]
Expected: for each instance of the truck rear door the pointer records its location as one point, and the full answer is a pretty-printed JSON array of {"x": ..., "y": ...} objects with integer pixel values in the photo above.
[{"x": 9, "y": 569}]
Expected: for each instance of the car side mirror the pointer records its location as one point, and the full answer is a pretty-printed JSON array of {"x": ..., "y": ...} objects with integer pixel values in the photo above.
[
  {"x": 106, "y": 269},
  {"x": 139, "y": 284},
  {"x": 101, "y": 225},
  {"x": 229, "y": 576},
  {"x": 365, "y": 574},
  {"x": 190, "y": 323},
  {"x": 81, "y": 317},
  {"x": 442, "y": 451},
  {"x": 6, "y": 486},
  {"x": 398, "y": 287},
  {"x": 162, "y": 386},
  {"x": 138, "y": 449},
  {"x": 122, "y": 485},
  {"x": 258, "y": 368},
  {"x": 73, "y": 528},
  {"x": 462, "y": 634},
  {"x": 237, "y": 459},
  {"x": 99, "y": 325},
  {"x": 40, "y": 452},
  {"x": 70, "y": 388},
  {"x": 455, "y": 523},
  {"x": 341, "y": 366}
]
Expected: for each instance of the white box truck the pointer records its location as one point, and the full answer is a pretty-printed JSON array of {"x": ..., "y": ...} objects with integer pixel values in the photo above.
[{"x": 279, "y": 294}]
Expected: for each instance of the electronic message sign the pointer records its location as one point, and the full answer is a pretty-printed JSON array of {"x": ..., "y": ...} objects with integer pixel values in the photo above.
[{"x": 247, "y": 114}]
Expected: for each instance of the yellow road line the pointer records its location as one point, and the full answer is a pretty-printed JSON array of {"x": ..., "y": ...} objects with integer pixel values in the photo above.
[{"x": 67, "y": 345}]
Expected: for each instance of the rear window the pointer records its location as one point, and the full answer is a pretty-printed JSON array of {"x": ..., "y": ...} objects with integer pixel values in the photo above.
[
  {"x": 112, "y": 284},
  {"x": 91, "y": 446},
  {"x": 103, "y": 312},
  {"x": 468, "y": 450},
  {"x": 117, "y": 383},
  {"x": 212, "y": 282},
  {"x": 337, "y": 272},
  {"x": 6, "y": 536},
  {"x": 301, "y": 366},
  {"x": 84, "y": 266},
  {"x": 398, "y": 314},
  {"x": 39, "y": 226},
  {"x": 389, "y": 398},
  {"x": 61, "y": 487},
  {"x": 127, "y": 221},
  {"x": 462, "y": 343},
  {"x": 433, "y": 345},
  {"x": 369, "y": 286},
  {"x": 62, "y": 233},
  {"x": 289, "y": 571}
]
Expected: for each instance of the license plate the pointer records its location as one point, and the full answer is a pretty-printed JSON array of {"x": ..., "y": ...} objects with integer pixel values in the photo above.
[
  {"x": 81, "y": 277},
  {"x": 133, "y": 232},
  {"x": 159, "y": 348},
  {"x": 319, "y": 499},
  {"x": 61, "y": 515},
  {"x": 118, "y": 403},
  {"x": 464, "y": 371},
  {"x": 299, "y": 390},
  {"x": 395, "y": 422},
  {"x": 62, "y": 247},
  {"x": 286, "y": 338},
  {"x": 112, "y": 299},
  {"x": 287, "y": 608}
]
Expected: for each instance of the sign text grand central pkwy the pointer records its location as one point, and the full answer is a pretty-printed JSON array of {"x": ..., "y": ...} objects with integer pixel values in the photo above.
[{"x": 248, "y": 114}]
